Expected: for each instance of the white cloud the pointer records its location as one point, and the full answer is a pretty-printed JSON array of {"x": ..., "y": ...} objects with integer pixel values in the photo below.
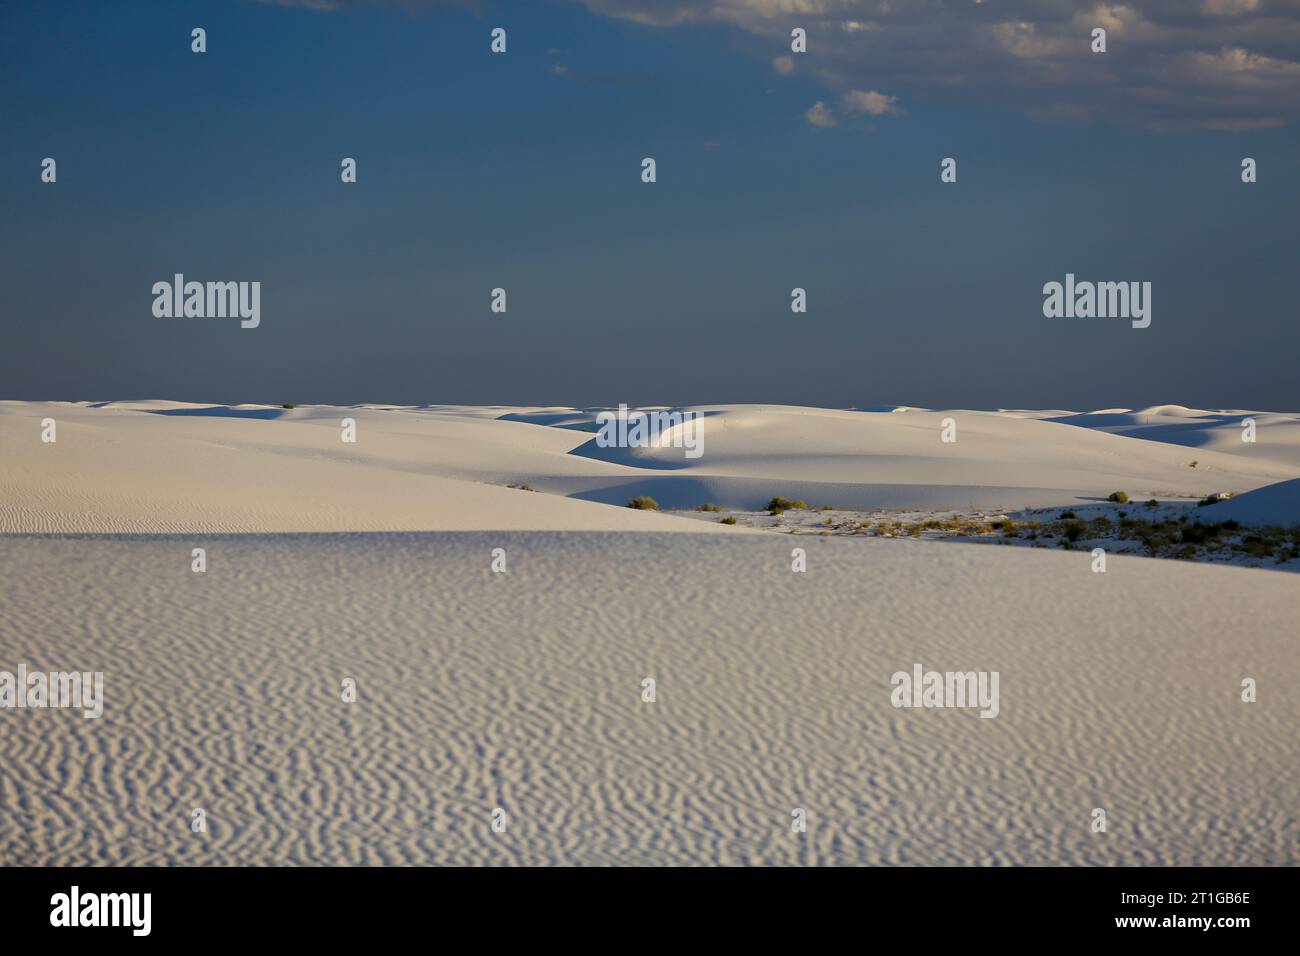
[
  {"x": 819, "y": 114},
  {"x": 870, "y": 102},
  {"x": 1172, "y": 64},
  {"x": 1229, "y": 8}
]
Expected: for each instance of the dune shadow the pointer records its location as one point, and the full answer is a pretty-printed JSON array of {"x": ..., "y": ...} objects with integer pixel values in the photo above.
[{"x": 220, "y": 411}]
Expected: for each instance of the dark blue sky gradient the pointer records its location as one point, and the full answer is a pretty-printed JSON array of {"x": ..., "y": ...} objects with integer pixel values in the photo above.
[{"x": 478, "y": 171}]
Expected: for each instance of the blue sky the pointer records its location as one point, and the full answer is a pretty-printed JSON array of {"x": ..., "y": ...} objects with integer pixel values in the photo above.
[{"x": 523, "y": 171}]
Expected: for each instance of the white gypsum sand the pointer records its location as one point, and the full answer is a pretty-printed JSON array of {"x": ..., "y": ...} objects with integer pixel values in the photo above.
[
  {"x": 523, "y": 691},
  {"x": 170, "y": 467}
]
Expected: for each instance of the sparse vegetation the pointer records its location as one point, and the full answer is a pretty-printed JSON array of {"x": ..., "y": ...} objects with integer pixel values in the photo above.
[
  {"x": 1171, "y": 532},
  {"x": 643, "y": 503},
  {"x": 708, "y": 506},
  {"x": 1214, "y": 499},
  {"x": 1119, "y": 497},
  {"x": 779, "y": 504},
  {"x": 289, "y": 406},
  {"x": 522, "y": 487}
]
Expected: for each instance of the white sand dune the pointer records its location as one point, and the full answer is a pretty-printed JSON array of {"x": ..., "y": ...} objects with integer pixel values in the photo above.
[
  {"x": 157, "y": 466},
  {"x": 163, "y": 467},
  {"x": 522, "y": 691},
  {"x": 1277, "y": 505},
  {"x": 1277, "y": 434}
]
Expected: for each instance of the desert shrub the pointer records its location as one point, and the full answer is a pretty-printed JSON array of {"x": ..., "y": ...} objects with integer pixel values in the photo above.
[
  {"x": 1257, "y": 546},
  {"x": 289, "y": 406},
  {"x": 1214, "y": 498},
  {"x": 707, "y": 506},
  {"x": 643, "y": 503},
  {"x": 522, "y": 487},
  {"x": 727, "y": 520},
  {"x": 1066, "y": 514},
  {"x": 1152, "y": 503},
  {"x": 1073, "y": 530},
  {"x": 779, "y": 504},
  {"x": 1119, "y": 497}
]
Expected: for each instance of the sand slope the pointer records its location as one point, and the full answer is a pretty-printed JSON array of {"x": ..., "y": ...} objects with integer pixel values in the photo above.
[
  {"x": 1277, "y": 505},
  {"x": 174, "y": 467},
  {"x": 165, "y": 468},
  {"x": 522, "y": 691},
  {"x": 1277, "y": 435}
]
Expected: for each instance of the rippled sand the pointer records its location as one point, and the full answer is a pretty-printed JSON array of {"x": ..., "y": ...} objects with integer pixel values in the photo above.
[{"x": 522, "y": 691}]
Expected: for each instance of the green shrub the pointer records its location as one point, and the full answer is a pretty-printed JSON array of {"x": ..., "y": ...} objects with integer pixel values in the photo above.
[
  {"x": 1152, "y": 503},
  {"x": 707, "y": 506},
  {"x": 1119, "y": 497},
  {"x": 643, "y": 503},
  {"x": 288, "y": 406},
  {"x": 1073, "y": 530},
  {"x": 727, "y": 520},
  {"x": 779, "y": 504},
  {"x": 1213, "y": 499}
]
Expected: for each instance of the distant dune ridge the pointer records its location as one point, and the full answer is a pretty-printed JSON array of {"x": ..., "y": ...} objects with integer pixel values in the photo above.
[{"x": 161, "y": 466}]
